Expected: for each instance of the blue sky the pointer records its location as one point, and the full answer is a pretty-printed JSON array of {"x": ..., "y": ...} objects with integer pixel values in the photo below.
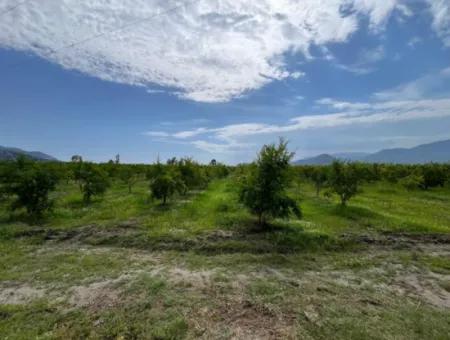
[{"x": 219, "y": 78}]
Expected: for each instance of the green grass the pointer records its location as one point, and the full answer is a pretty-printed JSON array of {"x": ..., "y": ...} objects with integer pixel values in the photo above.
[{"x": 199, "y": 267}]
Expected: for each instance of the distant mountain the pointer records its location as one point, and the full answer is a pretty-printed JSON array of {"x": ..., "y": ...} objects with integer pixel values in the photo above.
[
  {"x": 13, "y": 153},
  {"x": 437, "y": 152},
  {"x": 323, "y": 159},
  {"x": 351, "y": 156}
]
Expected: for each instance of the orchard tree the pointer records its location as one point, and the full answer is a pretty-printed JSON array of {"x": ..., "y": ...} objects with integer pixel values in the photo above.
[
  {"x": 263, "y": 189},
  {"x": 93, "y": 181},
  {"x": 344, "y": 180},
  {"x": 434, "y": 175},
  {"x": 165, "y": 184},
  {"x": 129, "y": 176},
  {"x": 190, "y": 173},
  {"x": 30, "y": 186}
]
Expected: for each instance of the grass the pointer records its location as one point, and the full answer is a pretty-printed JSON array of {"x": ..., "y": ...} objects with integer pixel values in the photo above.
[{"x": 126, "y": 267}]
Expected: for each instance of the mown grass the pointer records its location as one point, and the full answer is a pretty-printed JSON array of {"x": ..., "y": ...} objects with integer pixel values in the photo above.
[{"x": 309, "y": 278}]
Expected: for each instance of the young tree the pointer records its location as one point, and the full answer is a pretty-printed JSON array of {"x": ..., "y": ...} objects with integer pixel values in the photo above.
[
  {"x": 93, "y": 181},
  {"x": 163, "y": 187},
  {"x": 344, "y": 180},
  {"x": 263, "y": 190},
  {"x": 30, "y": 185},
  {"x": 129, "y": 176},
  {"x": 191, "y": 174}
]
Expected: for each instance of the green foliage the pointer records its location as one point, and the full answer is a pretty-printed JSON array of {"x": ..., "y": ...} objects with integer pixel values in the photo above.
[
  {"x": 30, "y": 186},
  {"x": 92, "y": 179},
  {"x": 165, "y": 183},
  {"x": 191, "y": 174},
  {"x": 412, "y": 182},
  {"x": 129, "y": 175},
  {"x": 263, "y": 189},
  {"x": 319, "y": 176},
  {"x": 344, "y": 180},
  {"x": 434, "y": 175}
]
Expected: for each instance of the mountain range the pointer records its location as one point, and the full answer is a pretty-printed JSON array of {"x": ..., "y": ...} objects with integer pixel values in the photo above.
[
  {"x": 437, "y": 152},
  {"x": 12, "y": 153}
]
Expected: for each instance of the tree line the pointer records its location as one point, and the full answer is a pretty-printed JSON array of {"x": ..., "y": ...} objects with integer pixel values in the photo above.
[
  {"x": 28, "y": 184},
  {"x": 263, "y": 186}
]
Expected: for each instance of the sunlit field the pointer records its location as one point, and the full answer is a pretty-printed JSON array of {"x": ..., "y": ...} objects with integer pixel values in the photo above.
[{"x": 125, "y": 266}]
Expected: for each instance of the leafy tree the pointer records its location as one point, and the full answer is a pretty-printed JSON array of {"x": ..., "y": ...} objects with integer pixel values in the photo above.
[
  {"x": 93, "y": 181},
  {"x": 191, "y": 174},
  {"x": 263, "y": 190},
  {"x": 344, "y": 180},
  {"x": 30, "y": 185},
  {"x": 165, "y": 184},
  {"x": 434, "y": 175}
]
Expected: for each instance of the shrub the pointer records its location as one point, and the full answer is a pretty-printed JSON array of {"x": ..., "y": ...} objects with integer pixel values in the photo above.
[{"x": 263, "y": 190}]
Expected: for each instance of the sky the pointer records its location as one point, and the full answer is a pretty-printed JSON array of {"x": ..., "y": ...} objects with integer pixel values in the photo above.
[{"x": 217, "y": 79}]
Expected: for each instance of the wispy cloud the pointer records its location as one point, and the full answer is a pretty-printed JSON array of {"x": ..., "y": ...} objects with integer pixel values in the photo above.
[
  {"x": 230, "y": 137},
  {"x": 366, "y": 62},
  {"x": 440, "y": 10},
  {"x": 428, "y": 84}
]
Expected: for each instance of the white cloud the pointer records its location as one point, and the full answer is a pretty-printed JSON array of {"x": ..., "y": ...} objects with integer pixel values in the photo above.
[
  {"x": 209, "y": 50},
  {"x": 231, "y": 137},
  {"x": 297, "y": 74},
  {"x": 418, "y": 88},
  {"x": 157, "y": 134},
  {"x": 440, "y": 10}
]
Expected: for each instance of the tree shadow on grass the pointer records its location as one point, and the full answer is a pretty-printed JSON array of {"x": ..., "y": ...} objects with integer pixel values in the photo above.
[
  {"x": 246, "y": 239},
  {"x": 355, "y": 213}
]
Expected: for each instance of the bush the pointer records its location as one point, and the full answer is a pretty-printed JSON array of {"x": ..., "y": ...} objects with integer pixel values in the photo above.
[{"x": 263, "y": 190}]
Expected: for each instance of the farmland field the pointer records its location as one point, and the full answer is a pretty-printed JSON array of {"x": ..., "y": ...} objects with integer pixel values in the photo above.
[{"x": 126, "y": 267}]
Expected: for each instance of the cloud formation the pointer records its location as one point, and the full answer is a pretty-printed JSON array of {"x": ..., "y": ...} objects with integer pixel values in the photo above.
[
  {"x": 440, "y": 10},
  {"x": 205, "y": 50},
  {"x": 230, "y": 137}
]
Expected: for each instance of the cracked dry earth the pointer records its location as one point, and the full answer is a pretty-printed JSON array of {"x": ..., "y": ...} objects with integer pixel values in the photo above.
[{"x": 229, "y": 302}]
